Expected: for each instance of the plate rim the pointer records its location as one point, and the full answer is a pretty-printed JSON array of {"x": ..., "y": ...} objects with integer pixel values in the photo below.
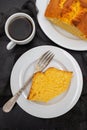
[{"x": 21, "y": 97}]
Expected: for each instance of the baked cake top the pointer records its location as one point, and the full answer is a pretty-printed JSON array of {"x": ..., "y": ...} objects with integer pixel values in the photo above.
[{"x": 69, "y": 11}]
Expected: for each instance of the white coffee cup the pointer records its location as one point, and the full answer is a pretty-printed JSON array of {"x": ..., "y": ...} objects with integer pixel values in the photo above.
[{"x": 13, "y": 41}]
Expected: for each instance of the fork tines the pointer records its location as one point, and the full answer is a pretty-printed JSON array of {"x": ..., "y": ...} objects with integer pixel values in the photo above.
[{"x": 45, "y": 59}]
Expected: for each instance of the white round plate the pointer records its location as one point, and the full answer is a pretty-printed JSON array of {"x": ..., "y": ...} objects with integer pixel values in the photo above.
[
  {"x": 23, "y": 69},
  {"x": 56, "y": 34}
]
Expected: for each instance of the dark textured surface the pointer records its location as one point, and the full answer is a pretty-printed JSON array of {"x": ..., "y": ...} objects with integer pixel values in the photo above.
[{"x": 75, "y": 119}]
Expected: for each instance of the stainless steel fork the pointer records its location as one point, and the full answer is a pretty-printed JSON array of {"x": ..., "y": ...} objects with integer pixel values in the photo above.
[{"x": 41, "y": 64}]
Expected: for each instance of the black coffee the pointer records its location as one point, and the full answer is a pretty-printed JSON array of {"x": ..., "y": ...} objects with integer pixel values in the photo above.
[{"x": 20, "y": 28}]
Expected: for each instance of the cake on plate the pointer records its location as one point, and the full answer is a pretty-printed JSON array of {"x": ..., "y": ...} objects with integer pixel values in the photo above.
[
  {"x": 49, "y": 84},
  {"x": 70, "y": 15}
]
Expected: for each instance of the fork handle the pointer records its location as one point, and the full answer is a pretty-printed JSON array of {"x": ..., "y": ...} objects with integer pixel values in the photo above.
[{"x": 11, "y": 102}]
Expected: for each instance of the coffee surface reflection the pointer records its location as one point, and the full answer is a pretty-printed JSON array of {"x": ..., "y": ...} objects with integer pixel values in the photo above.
[{"x": 20, "y": 28}]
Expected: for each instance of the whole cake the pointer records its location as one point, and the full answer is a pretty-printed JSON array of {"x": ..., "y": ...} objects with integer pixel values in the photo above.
[
  {"x": 70, "y": 15},
  {"x": 49, "y": 84}
]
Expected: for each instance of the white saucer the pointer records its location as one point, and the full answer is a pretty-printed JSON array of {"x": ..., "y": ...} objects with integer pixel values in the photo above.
[{"x": 24, "y": 68}]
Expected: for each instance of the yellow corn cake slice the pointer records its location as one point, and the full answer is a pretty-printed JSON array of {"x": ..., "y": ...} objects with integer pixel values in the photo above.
[
  {"x": 70, "y": 15},
  {"x": 47, "y": 85}
]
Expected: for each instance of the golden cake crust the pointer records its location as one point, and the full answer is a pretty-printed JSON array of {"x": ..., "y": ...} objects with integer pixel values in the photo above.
[{"x": 70, "y": 12}]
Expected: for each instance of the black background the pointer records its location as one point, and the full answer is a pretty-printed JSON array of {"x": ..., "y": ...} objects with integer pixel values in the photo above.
[{"x": 75, "y": 119}]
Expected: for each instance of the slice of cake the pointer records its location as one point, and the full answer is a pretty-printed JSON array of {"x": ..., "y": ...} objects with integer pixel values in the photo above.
[
  {"x": 70, "y": 15},
  {"x": 47, "y": 85}
]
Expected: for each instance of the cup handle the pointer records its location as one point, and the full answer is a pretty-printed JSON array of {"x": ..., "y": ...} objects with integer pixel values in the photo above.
[{"x": 10, "y": 45}]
